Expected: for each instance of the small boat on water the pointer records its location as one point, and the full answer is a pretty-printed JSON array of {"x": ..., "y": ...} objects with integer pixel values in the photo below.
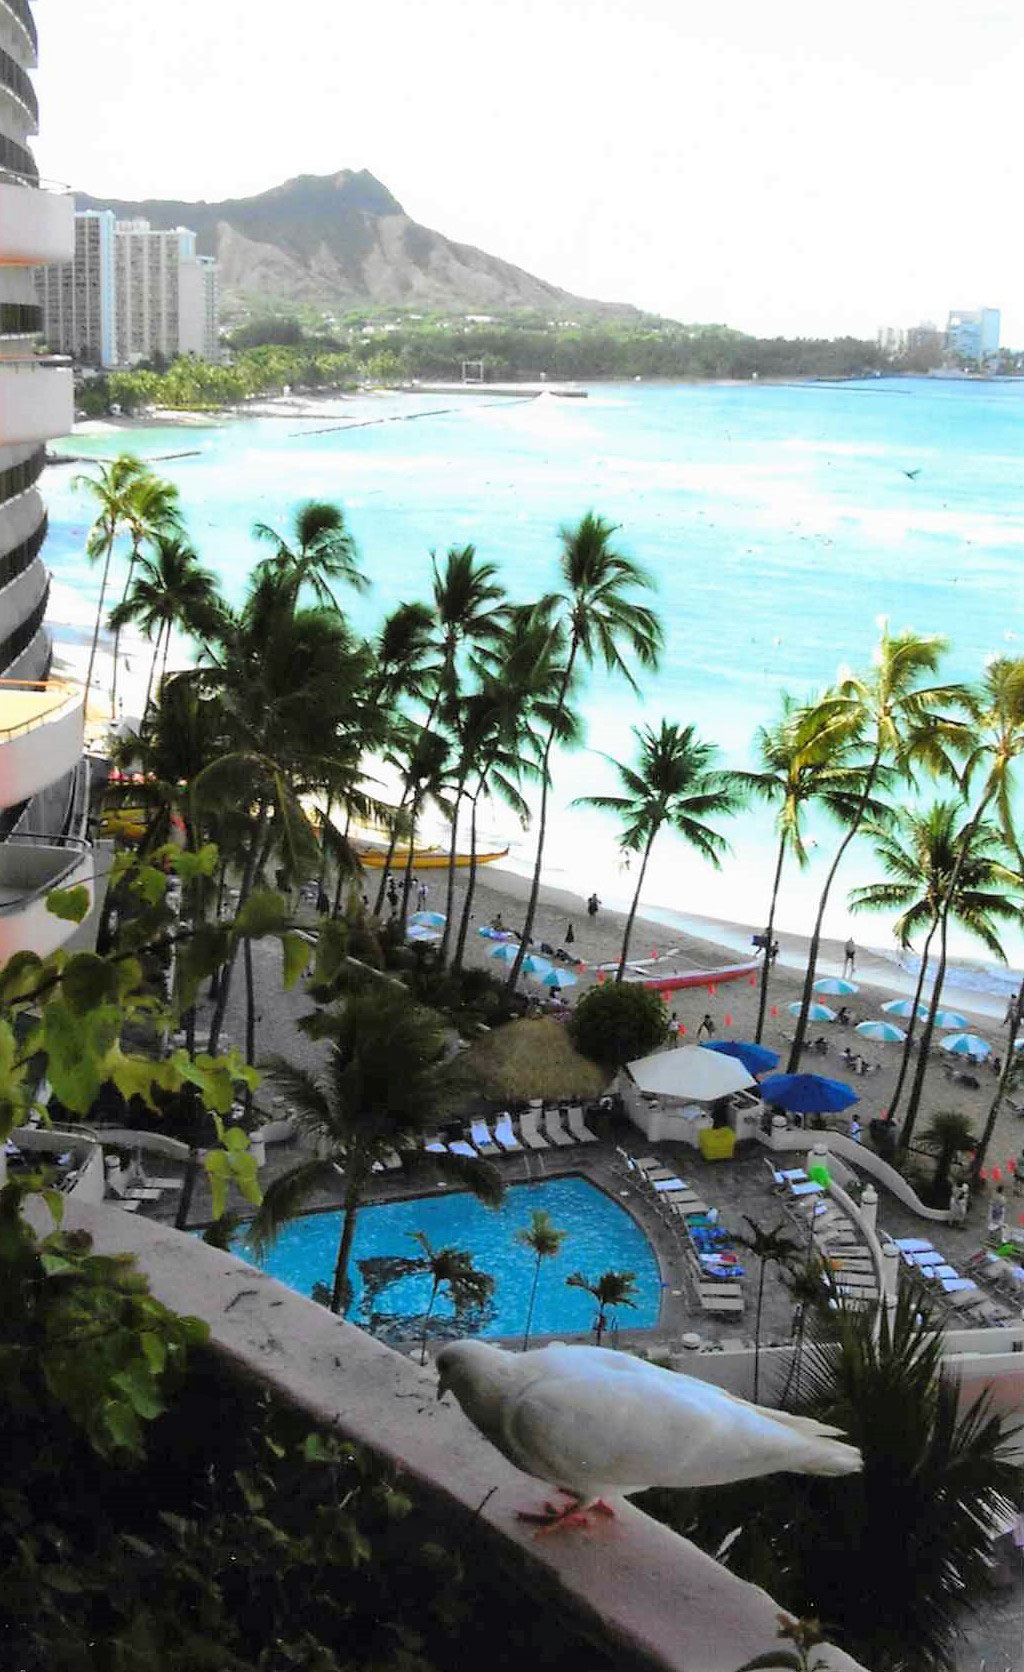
[
  {"x": 697, "y": 978},
  {"x": 424, "y": 859}
]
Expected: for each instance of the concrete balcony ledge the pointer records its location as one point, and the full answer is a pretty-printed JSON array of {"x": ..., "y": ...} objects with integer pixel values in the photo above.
[
  {"x": 630, "y": 1585},
  {"x": 41, "y": 735},
  {"x": 36, "y": 398},
  {"x": 35, "y": 226},
  {"x": 29, "y": 869}
]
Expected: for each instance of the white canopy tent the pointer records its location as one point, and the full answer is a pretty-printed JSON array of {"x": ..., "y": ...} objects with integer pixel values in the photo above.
[{"x": 667, "y": 1094}]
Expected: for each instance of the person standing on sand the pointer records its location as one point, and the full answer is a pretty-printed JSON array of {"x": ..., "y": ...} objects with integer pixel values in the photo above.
[
  {"x": 570, "y": 934},
  {"x": 706, "y": 1029},
  {"x": 593, "y": 906},
  {"x": 849, "y": 958}
]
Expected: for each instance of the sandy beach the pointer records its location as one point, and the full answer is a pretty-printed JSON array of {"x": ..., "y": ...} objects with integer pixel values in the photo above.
[{"x": 733, "y": 1005}]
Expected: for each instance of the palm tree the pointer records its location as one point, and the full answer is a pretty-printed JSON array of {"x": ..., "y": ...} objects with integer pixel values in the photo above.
[
  {"x": 801, "y": 761},
  {"x": 770, "y": 1248},
  {"x": 807, "y": 1285},
  {"x": 598, "y": 616},
  {"x": 897, "y": 722},
  {"x": 111, "y": 491},
  {"x": 170, "y": 589},
  {"x": 153, "y": 509},
  {"x": 612, "y": 1288},
  {"x": 674, "y": 786},
  {"x": 1011, "y": 1066},
  {"x": 891, "y": 1557},
  {"x": 951, "y": 1134},
  {"x": 322, "y": 551},
  {"x": 468, "y": 608},
  {"x": 920, "y": 855},
  {"x": 378, "y": 1091},
  {"x": 544, "y": 1238},
  {"x": 453, "y": 1266}
]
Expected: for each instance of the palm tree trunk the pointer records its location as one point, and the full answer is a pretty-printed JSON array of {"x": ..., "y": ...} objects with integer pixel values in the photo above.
[
  {"x": 908, "y": 1043},
  {"x": 926, "y": 1036},
  {"x": 248, "y": 877},
  {"x": 99, "y": 618},
  {"x": 1004, "y": 1079},
  {"x": 341, "y": 1290},
  {"x": 378, "y": 904},
  {"x": 627, "y": 936},
  {"x": 117, "y": 634},
  {"x": 167, "y": 646},
  {"x": 762, "y": 1003},
  {"x": 426, "y": 1323},
  {"x": 152, "y": 670},
  {"x": 533, "y": 1297},
  {"x": 449, "y": 900},
  {"x": 757, "y": 1332},
  {"x": 545, "y": 781},
  {"x": 467, "y": 904},
  {"x": 812, "y": 955},
  {"x": 250, "y": 1015},
  {"x": 601, "y": 1321}
]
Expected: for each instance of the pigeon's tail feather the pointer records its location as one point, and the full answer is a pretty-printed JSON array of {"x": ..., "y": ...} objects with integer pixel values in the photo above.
[
  {"x": 809, "y": 1427},
  {"x": 827, "y": 1452}
]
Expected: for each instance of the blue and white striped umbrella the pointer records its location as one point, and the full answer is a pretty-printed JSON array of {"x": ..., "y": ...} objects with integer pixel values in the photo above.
[
  {"x": 506, "y": 953},
  {"x": 428, "y": 919},
  {"x": 905, "y": 1007},
  {"x": 836, "y": 984},
  {"x": 816, "y": 1013},
  {"x": 539, "y": 968},
  {"x": 419, "y": 932},
  {"x": 966, "y": 1045},
  {"x": 558, "y": 978},
  {"x": 950, "y": 1019},
  {"x": 886, "y": 1032}
]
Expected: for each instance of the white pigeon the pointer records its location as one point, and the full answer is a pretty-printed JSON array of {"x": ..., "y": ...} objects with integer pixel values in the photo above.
[{"x": 598, "y": 1423}]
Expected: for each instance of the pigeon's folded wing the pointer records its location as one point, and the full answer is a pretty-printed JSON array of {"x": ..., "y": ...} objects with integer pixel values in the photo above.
[{"x": 581, "y": 1432}]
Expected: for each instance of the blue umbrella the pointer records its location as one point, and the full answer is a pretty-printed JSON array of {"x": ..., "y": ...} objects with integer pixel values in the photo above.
[
  {"x": 836, "y": 984},
  {"x": 815, "y": 1012},
  {"x": 965, "y": 1045},
  {"x": 506, "y": 952},
  {"x": 807, "y": 1094},
  {"x": 950, "y": 1019},
  {"x": 537, "y": 967},
  {"x": 420, "y": 932},
  {"x": 558, "y": 978},
  {"x": 756, "y": 1059},
  {"x": 429, "y": 919},
  {"x": 887, "y": 1032},
  {"x": 905, "y": 1007}
]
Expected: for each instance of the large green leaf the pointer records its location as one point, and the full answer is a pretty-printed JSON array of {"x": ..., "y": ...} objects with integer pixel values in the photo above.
[
  {"x": 88, "y": 981},
  {"x": 264, "y": 913},
  {"x": 71, "y": 904},
  {"x": 297, "y": 953}
]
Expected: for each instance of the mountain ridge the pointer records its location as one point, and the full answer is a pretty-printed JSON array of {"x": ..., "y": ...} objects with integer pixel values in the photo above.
[{"x": 344, "y": 240}]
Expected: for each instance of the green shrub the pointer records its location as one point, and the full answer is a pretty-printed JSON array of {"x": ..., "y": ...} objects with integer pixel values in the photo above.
[{"x": 618, "y": 1022}]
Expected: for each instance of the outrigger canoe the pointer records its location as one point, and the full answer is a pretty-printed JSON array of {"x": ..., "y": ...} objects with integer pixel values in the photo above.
[
  {"x": 424, "y": 859},
  {"x": 697, "y": 978}
]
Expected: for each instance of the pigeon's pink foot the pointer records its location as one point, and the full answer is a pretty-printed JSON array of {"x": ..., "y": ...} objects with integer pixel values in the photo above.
[
  {"x": 599, "y": 1507},
  {"x": 553, "y": 1519}
]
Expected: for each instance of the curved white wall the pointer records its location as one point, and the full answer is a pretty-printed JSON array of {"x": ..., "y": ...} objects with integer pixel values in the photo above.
[
  {"x": 36, "y": 401},
  {"x": 35, "y": 226},
  {"x": 47, "y": 751}
]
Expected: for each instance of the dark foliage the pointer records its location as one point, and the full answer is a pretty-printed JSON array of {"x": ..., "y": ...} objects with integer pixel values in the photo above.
[{"x": 618, "y": 1022}]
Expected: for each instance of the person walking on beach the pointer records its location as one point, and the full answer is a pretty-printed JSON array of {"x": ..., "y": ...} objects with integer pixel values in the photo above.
[
  {"x": 392, "y": 894},
  {"x": 570, "y": 934},
  {"x": 706, "y": 1029},
  {"x": 849, "y": 958},
  {"x": 422, "y": 896},
  {"x": 593, "y": 906}
]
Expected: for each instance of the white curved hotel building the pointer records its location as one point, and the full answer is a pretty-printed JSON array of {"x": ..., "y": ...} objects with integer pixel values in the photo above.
[{"x": 43, "y": 778}]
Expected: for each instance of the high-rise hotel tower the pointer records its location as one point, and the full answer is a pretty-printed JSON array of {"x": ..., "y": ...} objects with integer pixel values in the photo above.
[{"x": 43, "y": 781}]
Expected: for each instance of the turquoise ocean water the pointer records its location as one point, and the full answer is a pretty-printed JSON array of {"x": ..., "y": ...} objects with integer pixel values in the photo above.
[{"x": 778, "y": 521}]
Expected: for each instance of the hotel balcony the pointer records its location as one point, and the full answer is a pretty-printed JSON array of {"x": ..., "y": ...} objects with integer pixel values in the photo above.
[
  {"x": 17, "y": 26},
  {"x": 36, "y": 399},
  {"x": 35, "y": 226},
  {"x": 30, "y": 868},
  {"x": 41, "y": 732}
]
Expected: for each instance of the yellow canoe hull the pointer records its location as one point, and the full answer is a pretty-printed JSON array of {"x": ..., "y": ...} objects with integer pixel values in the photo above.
[{"x": 425, "y": 859}]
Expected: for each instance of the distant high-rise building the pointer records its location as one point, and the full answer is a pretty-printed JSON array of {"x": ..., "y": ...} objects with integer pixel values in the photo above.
[
  {"x": 77, "y": 297},
  {"x": 148, "y": 279},
  {"x": 973, "y": 334},
  {"x": 43, "y": 777},
  {"x": 199, "y": 307}
]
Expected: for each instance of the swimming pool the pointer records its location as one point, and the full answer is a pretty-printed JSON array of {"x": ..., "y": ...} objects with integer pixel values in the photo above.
[{"x": 602, "y": 1237}]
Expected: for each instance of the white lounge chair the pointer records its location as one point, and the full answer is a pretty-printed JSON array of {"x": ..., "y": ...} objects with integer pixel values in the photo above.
[
  {"x": 481, "y": 1137},
  {"x": 504, "y": 1134},
  {"x": 434, "y": 1146},
  {"x": 578, "y": 1126},
  {"x": 460, "y": 1147},
  {"x": 529, "y": 1130},
  {"x": 554, "y": 1130}
]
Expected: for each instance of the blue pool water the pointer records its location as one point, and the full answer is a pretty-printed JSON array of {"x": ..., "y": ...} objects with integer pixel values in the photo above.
[{"x": 602, "y": 1237}]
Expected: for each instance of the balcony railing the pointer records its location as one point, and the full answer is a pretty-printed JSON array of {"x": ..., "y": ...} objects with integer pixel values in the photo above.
[
  {"x": 30, "y": 868},
  {"x": 20, "y": 477},
  {"x": 20, "y": 319},
  {"x": 19, "y": 9},
  {"x": 28, "y": 703},
  {"x": 18, "y": 162},
  {"x": 13, "y": 77}
]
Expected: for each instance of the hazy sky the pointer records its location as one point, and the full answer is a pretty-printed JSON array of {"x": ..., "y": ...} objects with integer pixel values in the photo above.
[{"x": 804, "y": 166}]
